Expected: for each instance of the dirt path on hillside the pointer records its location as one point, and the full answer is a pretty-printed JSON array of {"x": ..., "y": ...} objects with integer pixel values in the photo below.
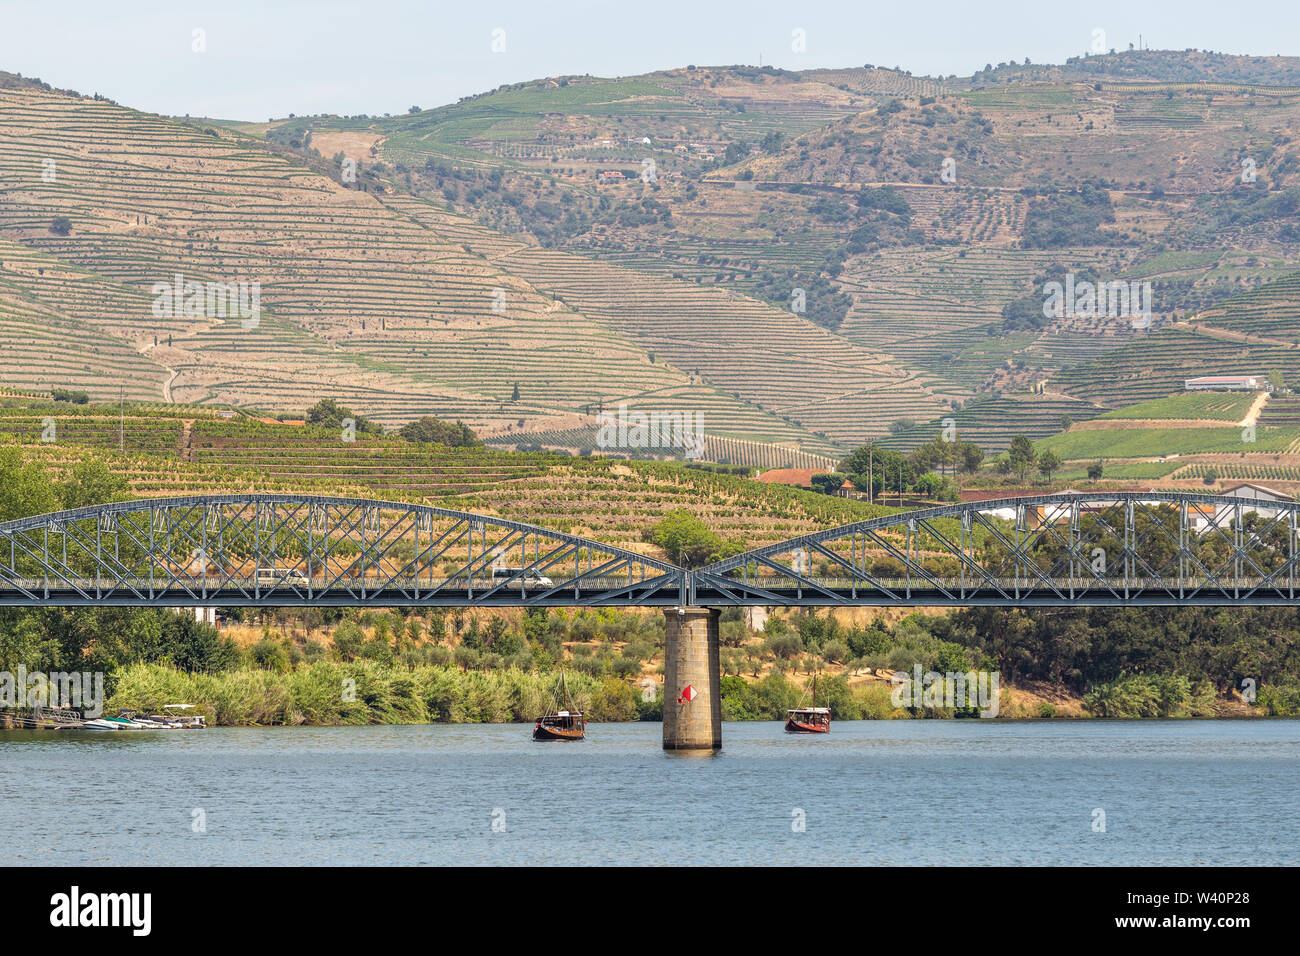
[
  {"x": 1228, "y": 335},
  {"x": 186, "y": 447},
  {"x": 1256, "y": 407}
]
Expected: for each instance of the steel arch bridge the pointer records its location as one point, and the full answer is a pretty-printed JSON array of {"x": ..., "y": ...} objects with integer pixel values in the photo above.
[
  {"x": 1056, "y": 550},
  {"x": 298, "y": 550},
  {"x": 1059, "y": 550}
]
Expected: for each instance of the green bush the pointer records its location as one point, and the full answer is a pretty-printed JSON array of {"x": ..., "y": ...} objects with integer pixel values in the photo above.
[
  {"x": 739, "y": 699},
  {"x": 270, "y": 655},
  {"x": 1156, "y": 695},
  {"x": 1282, "y": 700},
  {"x": 614, "y": 700}
]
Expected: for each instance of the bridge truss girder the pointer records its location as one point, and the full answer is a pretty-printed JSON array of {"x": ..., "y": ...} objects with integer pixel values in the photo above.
[
  {"x": 298, "y": 550},
  {"x": 1063, "y": 550},
  {"x": 1096, "y": 549}
]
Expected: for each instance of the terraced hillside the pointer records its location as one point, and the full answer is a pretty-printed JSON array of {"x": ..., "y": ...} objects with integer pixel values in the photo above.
[
  {"x": 940, "y": 310},
  {"x": 1189, "y": 440},
  {"x": 1196, "y": 407},
  {"x": 769, "y": 357},
  {"x": 172, "y": 450},
  {"x": 358, "y": 300},
  {"x": 43, "y": 347},
  {"x": 589, "y": 121},
  {"x": 1267, "y": 313},
  {"x": 1252, "y": 333},
  {"x": 919, "y": 279},
  {"x": 1136, "y": 443},
  {"x": 730, "y": 451},
  {"x": 148, "y": 199},
  {"x": 772, "y": 359},
  {"x": 804, "y": 260},
  {"x": 991, "y": 423}
]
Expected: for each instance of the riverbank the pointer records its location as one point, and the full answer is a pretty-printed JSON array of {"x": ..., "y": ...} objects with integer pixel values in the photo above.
[{"x": 366, "y": 693}]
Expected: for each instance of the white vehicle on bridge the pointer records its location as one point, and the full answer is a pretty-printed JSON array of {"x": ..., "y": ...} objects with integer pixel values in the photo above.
[
  {"x": 532, "y": 579},
  {"x": 273, "y": 577}
]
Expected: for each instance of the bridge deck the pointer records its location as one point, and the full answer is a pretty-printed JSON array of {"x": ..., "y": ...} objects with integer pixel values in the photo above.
[{"x": 1062, "y": 550}]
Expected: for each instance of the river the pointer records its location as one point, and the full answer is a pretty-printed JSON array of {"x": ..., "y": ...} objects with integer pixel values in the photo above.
[{"x": 872, "y": 792}]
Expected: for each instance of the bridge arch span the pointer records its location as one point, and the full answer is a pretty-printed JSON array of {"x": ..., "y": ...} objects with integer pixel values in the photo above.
[
  {"x": 1053, "y": 550},
  {"x": 288, "y": 550}
]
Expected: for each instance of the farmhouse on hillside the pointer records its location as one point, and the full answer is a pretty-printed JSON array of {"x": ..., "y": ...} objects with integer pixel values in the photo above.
[
  {"x": 803, "y": 478},
  {"x": 1222, "y": 383}
]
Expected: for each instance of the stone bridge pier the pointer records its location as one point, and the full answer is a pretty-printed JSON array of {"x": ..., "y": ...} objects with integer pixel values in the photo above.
[{"x": 692, "y": 697}]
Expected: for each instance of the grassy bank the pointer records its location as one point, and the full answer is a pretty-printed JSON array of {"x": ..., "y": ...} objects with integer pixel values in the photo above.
[{"x": 364, "y": 692}]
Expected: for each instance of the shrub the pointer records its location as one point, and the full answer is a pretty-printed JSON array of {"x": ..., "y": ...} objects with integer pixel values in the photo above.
[
  {"x": 739, "y": 699},
  {"x": 1281, "y": 700},
  {"x": 786, "y": 646},
  {"x": 269, "y": 655},
  {"x": 1157, "y": 695},
  {"x": 614, "y": 699}
]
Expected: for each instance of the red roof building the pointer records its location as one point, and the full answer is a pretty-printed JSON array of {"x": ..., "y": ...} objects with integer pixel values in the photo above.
[{"x": 801, "y": 478}]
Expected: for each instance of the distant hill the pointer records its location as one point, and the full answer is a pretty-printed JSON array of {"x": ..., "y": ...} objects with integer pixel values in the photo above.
[
  {"x": 807, "y": 260},
  {"x": 1158, "y": 66}
]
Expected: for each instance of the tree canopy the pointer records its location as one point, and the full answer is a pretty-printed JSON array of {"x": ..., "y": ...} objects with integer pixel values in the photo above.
[
  {"x": 430, "y": 429},
  {"x": 883, "y": 469},
  {"x": 688, "y": 541},
  {"x": 328, "y": 413}
]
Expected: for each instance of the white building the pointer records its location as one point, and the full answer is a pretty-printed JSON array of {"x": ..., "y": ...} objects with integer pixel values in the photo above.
[
  {"x": 204, "y": 615},
  {"x": 1223, "y": 383},
  {"x": 1205, "y": 517}
]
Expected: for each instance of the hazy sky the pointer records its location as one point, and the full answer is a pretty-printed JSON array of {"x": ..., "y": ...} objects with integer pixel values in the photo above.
[{"x": 266, "y": 58}]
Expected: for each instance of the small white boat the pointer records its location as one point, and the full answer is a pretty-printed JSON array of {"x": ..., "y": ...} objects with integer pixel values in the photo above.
[
  {"x": 173, "y": 717},
  {"x": 101, "y": 724},
  {"x": 125, "y": 720},
  {"x": 136, "y": 722},
  {"x": 177, "y": 717}
]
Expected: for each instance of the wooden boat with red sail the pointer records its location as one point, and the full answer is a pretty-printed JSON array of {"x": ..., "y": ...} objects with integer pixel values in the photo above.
[
  {"x": 564, "y": 722},
  {"x": 808, "y": 720}
]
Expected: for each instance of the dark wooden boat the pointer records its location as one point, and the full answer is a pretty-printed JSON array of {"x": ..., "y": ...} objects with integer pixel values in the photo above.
[
  {"x": 808, "y": 720},
  {"x": 560, "y": 726},
  {"x": 564, "y": 722}
]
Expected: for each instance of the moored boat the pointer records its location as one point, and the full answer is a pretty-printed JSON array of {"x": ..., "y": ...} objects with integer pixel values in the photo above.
[
  {"x": 123, "y": 721},
  {"x": 135, "y": 721},
  {"x": 131, "y": 720},
  {"x": 564, "y": 722},
  {"x": 99, "y": 723},
  {"x": 177, "y": 716}
]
